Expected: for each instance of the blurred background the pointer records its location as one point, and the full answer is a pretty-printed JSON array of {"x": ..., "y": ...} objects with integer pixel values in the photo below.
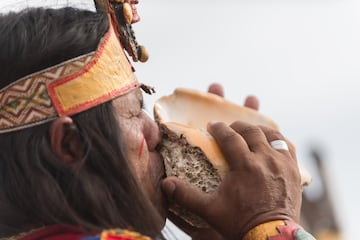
[{"x": 300, "y": 57}]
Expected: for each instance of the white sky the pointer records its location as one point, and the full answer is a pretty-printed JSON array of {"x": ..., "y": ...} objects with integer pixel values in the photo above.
[{"x": 300, "y": 57}]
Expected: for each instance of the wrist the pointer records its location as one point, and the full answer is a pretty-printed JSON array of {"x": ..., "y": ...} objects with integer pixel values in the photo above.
[{"x": 278, "y": 230}]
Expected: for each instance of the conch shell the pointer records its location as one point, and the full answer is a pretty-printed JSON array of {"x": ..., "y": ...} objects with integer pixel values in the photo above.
[{"x": 188, "y": 150}]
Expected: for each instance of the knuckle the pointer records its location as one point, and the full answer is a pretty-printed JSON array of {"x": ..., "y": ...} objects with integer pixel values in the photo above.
[
  {"x": 272, "y": 134},
  {"x": 228, "y": 137},
  {"x": 257, "y": 167},
  {"x": 251, "y": 130},
  {"x": 275, "y": 135}
]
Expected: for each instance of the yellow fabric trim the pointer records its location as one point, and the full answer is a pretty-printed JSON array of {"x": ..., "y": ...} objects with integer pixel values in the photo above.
[
  {"x": 263, "y": 231},
  {"x": 70, "y": 87},
  {"x": 328, "y": 235},
  {"x": 108, "y": 234},
  {"x": 112, "y": 72}
]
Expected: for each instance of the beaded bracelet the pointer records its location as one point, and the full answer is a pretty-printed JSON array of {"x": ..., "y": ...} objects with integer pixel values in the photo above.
[
  {"x": 120, "y": 234},
  {"x": 278, "y": 230}
]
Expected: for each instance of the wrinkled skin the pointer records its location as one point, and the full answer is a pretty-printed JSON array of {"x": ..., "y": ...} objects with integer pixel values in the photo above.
[
  {"x": 209, "y": 233},
  {"x": 232, "y": 210},
  {"x": 142, "y": 135},
  {"x": 272, "y": 175},
  {"x": 272, "y": 183}
]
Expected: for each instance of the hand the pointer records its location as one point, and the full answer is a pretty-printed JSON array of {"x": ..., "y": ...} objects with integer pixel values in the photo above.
[
  {"x": 209, "y": 233},
  {"x": 262, "y": 184}
]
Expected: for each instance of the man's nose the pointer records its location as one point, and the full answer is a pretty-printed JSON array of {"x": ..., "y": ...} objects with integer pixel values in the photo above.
[{"x": 151, "y": 132}]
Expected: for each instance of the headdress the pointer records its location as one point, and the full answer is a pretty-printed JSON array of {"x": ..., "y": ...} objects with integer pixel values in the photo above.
[{"x": 72, "y": 86}]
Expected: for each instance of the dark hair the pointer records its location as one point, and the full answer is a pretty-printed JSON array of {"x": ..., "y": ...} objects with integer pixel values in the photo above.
[{"x": 38, "y": 189}]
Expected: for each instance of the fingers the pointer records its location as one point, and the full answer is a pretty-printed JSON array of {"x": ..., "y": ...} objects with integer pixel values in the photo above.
[
  {"x": 252, "y": 102},
  {"x": 259, "y": 176},
  {"x": 242, "y": 138},
  {"x": 185, "y": 195},
  {"x": 217, "y": 89},
  {"x": 253, "y": 135},
  {"x": 230, "y": 142}
]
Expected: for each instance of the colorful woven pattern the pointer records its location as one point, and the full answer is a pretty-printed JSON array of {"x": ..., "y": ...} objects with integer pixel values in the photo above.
[
  {"x": 301, "y": 234},
  {"x": 68, "y": 88},
  {"x": 120, "y": 234},
  {"x": 278, "y": 230},
  {"x": 26, "y": 102}
]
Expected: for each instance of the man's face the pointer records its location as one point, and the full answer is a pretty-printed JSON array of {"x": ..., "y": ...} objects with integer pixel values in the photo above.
[
  {"x": 141, "y": 135},
  {"x": 133, "y": 3}
]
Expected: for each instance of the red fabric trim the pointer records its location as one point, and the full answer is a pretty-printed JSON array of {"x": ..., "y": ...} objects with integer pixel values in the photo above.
[
  {"x": 115, "y": 24},
  {"x": 56, "y": 232},
  {"x": 113, "y": 237},
  {"x": 104, "y": 98},
  {"x": 93, "y": 61},
  {"x": 91, "y": 103}
]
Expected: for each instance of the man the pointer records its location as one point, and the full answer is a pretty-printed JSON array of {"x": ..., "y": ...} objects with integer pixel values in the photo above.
[{"x": 79, "y": 153}]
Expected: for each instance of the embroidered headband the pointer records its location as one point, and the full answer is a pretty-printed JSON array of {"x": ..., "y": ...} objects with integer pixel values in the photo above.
[{"x": 69, "y": 87}]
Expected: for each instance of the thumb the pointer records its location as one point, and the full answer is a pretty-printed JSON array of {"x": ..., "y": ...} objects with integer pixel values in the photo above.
[{"x": 186, "y": 195}]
